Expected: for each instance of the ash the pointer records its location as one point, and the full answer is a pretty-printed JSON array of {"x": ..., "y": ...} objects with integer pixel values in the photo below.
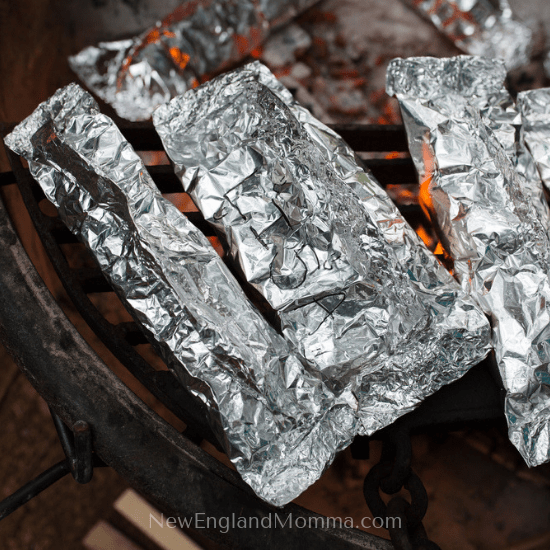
[{"x": 334, "y": 56}]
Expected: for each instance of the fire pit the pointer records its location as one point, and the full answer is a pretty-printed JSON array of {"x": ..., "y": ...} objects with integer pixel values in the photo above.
[{"x": 340, "y": 77}]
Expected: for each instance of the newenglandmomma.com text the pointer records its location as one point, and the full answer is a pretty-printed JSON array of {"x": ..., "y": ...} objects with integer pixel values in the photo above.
[{"x": 269, "y": 521}]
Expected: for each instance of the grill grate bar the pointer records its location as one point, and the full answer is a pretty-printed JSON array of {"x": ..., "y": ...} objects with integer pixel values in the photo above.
[
  {"x": 396, "y": 171},
  {"x": 132, "y": 333},
  {"x": 387, "y": 171},
  {"x": 360, "y": 137},
  {"x": 91, "y": 280}
]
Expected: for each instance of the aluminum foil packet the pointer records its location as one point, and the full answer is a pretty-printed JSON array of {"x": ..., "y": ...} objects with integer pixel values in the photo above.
[
  {"x": 198, "y": 39},
  {"x": 277, "y": 420},
  {"x": 480, "y": 27},
  {"x": 534, "y": 106},
  {"x": 491, "y": 220},
  {"x": 355, "y": 289}
]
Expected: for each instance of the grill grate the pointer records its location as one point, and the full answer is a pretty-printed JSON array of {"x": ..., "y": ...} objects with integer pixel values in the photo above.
[{"x": 475, "y": 397}]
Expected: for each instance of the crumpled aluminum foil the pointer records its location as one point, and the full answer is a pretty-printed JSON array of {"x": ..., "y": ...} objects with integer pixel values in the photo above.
[
  {"x": 494, "y": 226},
  {"x": 277, "y": 420},
  {"x": 503, "y": 117},
  {"x": 355, "y": 289},
  {"x": 534, "y": 106},
  {"x": 480, "y": 27},
  {"x": 198, "y": 39}
]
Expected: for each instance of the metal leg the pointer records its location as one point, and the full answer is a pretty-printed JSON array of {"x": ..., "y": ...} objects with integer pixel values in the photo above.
[{"x": 80, "y": 462}]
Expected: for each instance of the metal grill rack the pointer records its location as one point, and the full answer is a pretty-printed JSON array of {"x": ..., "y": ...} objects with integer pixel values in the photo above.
[{"x": 167, "y": 467}]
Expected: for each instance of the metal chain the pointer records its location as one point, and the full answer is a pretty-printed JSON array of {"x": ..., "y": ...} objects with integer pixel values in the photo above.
[{"x": 392, "y": 474}]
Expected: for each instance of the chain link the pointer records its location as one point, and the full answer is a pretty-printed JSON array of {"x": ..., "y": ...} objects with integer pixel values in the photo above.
[{"x": 392, "y": 474}]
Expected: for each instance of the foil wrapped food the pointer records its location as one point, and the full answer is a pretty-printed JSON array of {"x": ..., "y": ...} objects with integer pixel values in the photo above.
[
  {"x": 534, "y": 106},
  {"x": 490, "y": 217},
  {"x": 198, "y": 39},
  {"x": 277, "y": 420},
  {"x": 480, "y": 27},
  {"x": 355, "y": 289}
]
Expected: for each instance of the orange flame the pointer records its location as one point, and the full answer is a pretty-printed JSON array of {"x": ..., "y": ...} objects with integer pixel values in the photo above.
[
  {"x": 155, "y": 34},
  {"x": 180, "y": 58},
  {"x": 424, "y": 196},
  {"x": 151, "y": 37},
  {"x": 426, "y": 237}
]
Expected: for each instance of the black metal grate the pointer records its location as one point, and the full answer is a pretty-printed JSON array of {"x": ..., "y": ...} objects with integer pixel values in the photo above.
[{"x": 476, "y": 397}]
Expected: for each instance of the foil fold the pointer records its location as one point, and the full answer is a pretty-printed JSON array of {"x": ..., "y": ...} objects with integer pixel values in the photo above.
[
  {"x": 277, "y": 420},
  {"x": 355, "y": 289},
  {"x": 482, "y": 192},
  {"x": 480, "y": 27},
  {"x": 198, "y": 39}
]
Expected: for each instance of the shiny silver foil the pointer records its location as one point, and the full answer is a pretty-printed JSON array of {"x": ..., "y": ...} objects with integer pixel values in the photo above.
[
  {"x": 534, "y": 106},
  {"x": 355, "y": 289},
  {"x": 480, "y": 27},
  {"x": 494, "y": 225},
  {"x": 198, "y": 39},
  {"x": 277, "y": 420}
]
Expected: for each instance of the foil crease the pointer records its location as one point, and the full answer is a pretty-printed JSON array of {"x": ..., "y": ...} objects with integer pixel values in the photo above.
[
  {"x": 277, "y": 420},
  {"x": 480, "y": 27},
  {"x": 198, "y": 39},
  {"x": 355, "y": 289},
  {"x": 491, "y": 220},
  {"x": 534, "y": 106}
]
